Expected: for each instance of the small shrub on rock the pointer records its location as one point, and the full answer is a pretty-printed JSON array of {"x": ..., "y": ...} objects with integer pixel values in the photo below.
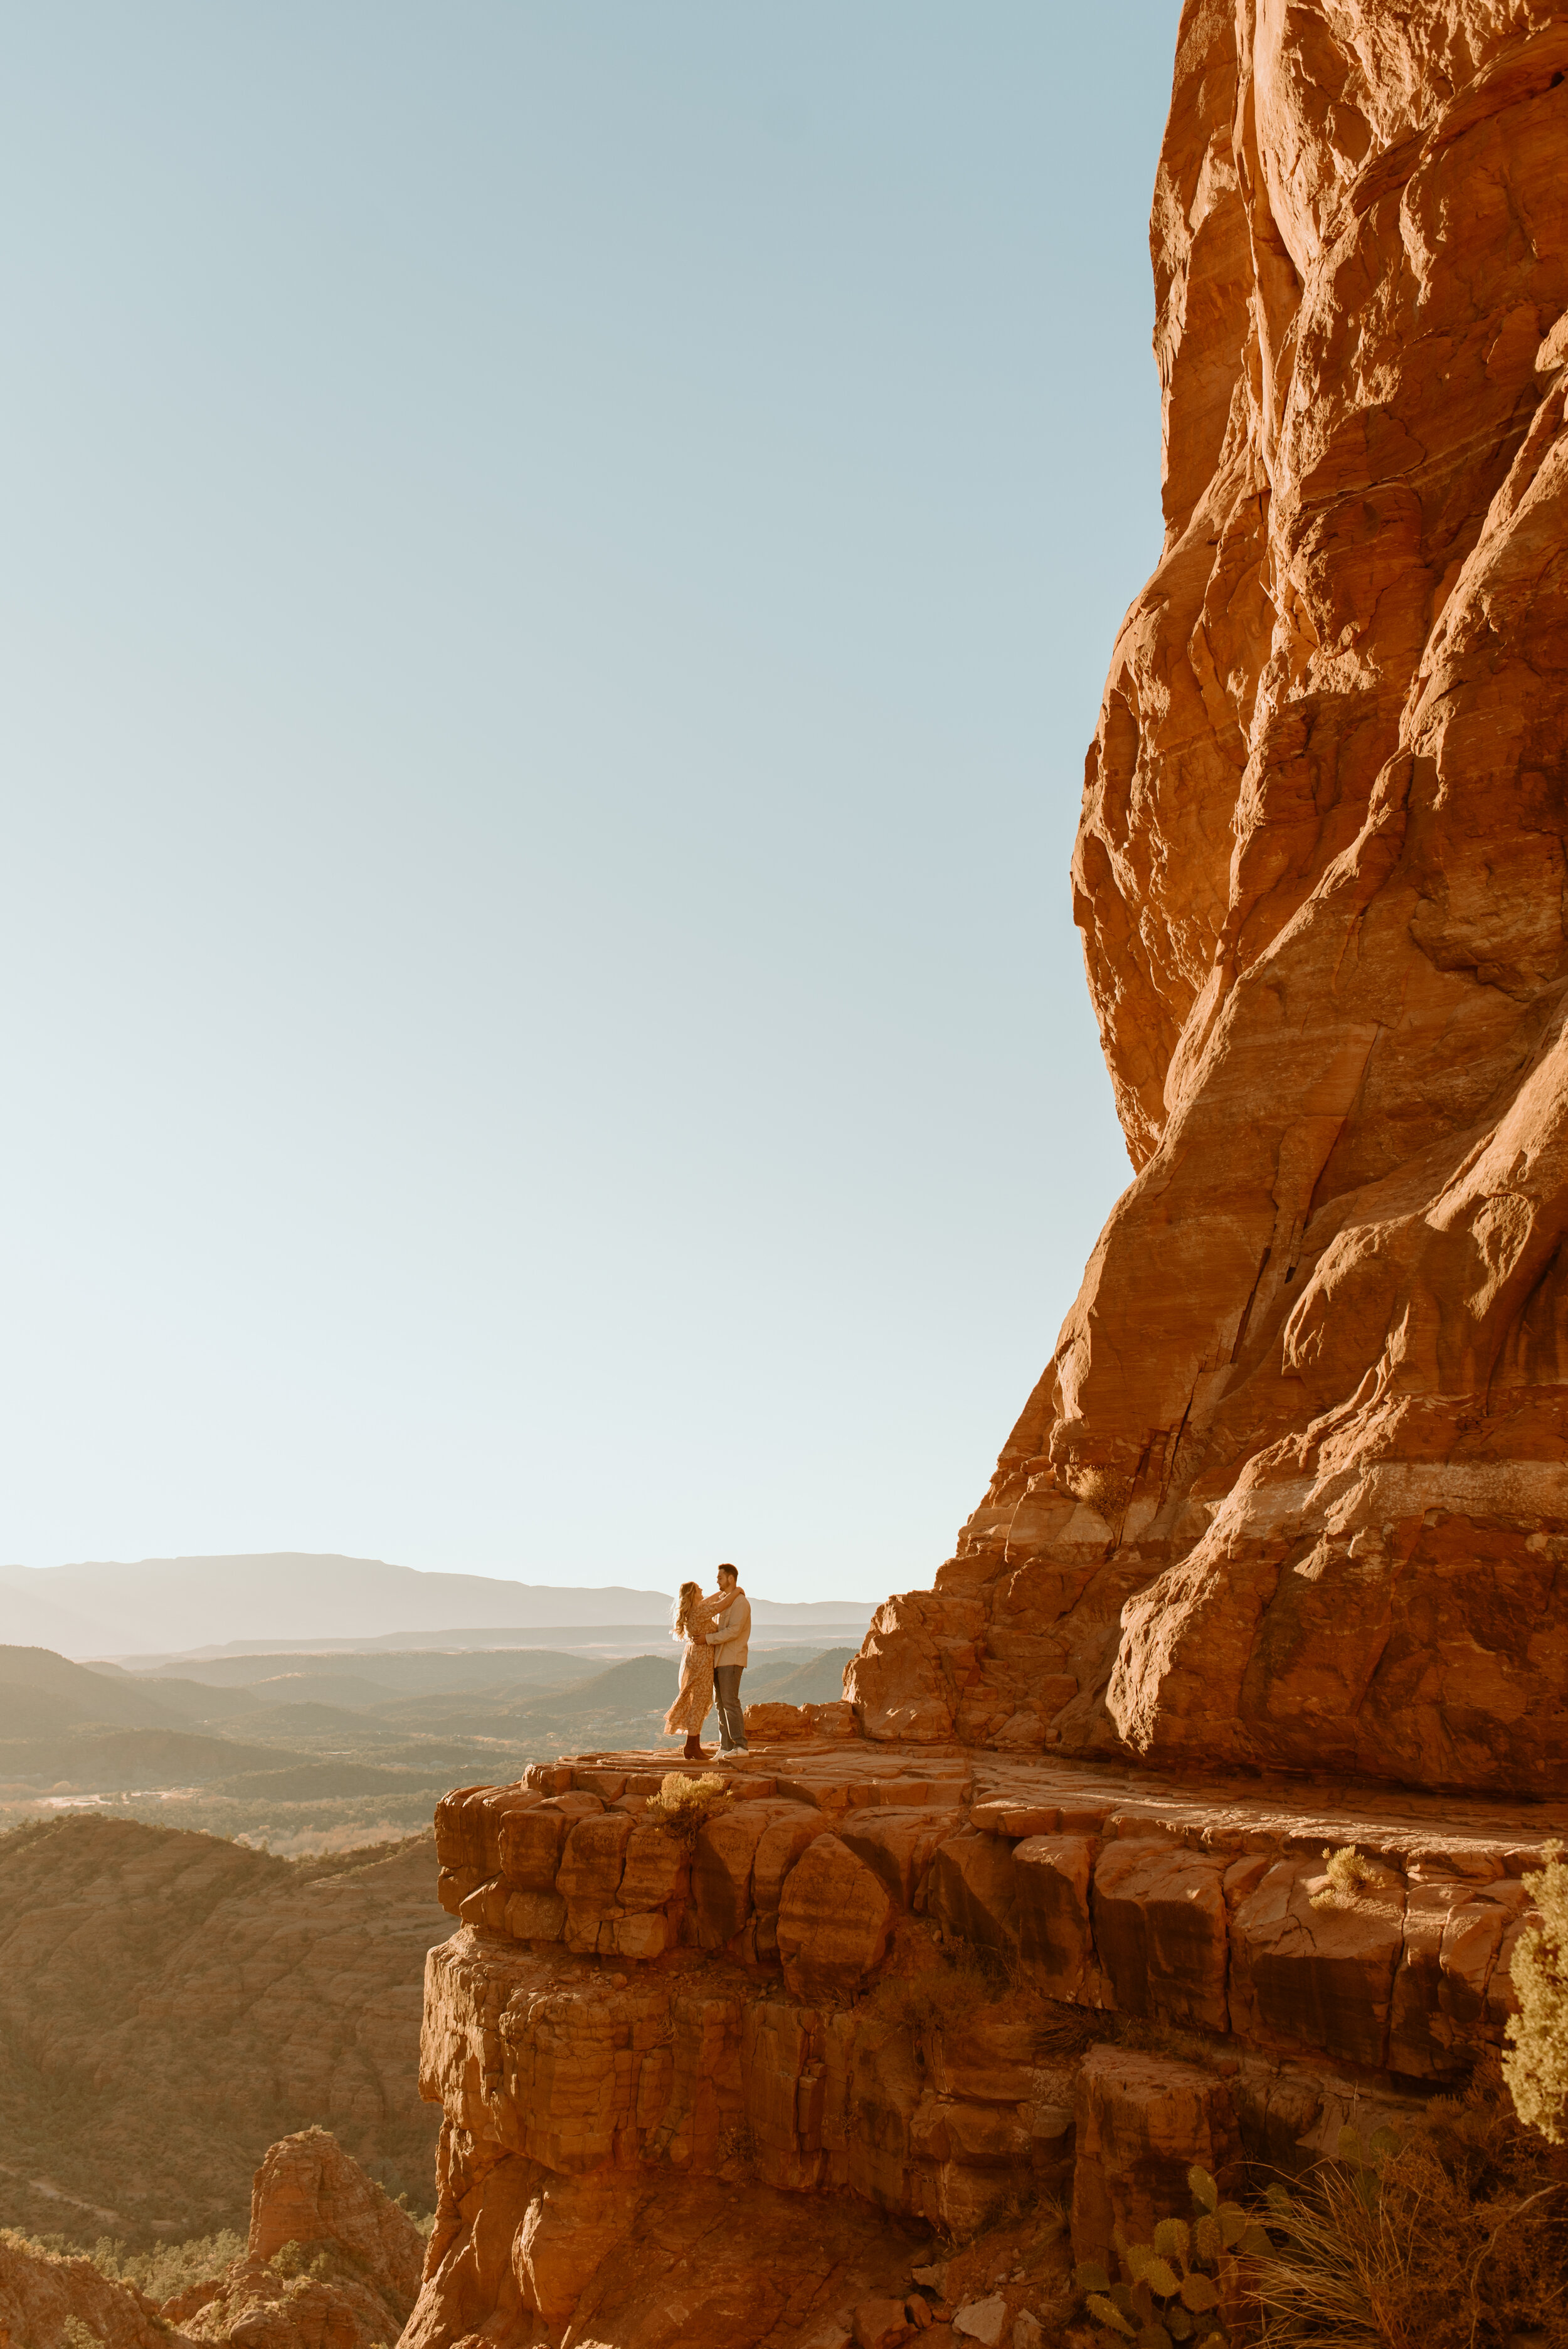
[
  {"x": 1536, "y": 2064},
  {"x": 686, "y": 1804}
]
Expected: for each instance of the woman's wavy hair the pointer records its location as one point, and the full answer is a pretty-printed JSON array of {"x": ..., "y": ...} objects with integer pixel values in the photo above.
[{"x": 681, "y": 1613}]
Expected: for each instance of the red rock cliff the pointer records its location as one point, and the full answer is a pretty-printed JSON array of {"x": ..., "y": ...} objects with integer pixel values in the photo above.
[{"x": 1292, "y": 1487}]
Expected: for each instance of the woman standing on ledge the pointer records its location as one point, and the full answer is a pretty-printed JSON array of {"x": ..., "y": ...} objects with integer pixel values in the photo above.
[{"x": 692, "y": 1621}]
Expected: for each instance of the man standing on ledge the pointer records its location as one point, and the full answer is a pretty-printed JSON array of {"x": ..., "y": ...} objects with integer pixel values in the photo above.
[{"x": 728, "y": 1640}]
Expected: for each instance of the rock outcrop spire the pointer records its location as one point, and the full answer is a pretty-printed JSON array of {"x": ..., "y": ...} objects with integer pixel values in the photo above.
[{"x": 1291, "y": 1490}]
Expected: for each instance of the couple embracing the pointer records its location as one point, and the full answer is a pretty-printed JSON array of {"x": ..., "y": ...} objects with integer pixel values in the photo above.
[{"x": 716, "y": 1630}]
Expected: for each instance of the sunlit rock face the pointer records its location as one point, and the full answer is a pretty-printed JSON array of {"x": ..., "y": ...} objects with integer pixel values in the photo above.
[
  {"x": 748, "y": 2091},
  {"x": 1292, "y": 1491}
]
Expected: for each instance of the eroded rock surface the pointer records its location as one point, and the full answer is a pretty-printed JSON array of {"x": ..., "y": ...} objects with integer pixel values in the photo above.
[
  {"x": 170, "y": 2004},
  {"x": 46, "y": 2302},
  {"x": 330, "y": 2261},
  {"x": 1291, "y": 1490},
  {"x": 894, "y": 1997}
]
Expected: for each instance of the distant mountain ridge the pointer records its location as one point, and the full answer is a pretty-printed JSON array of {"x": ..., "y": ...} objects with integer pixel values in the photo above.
[{"x": 175, "y": 1605}]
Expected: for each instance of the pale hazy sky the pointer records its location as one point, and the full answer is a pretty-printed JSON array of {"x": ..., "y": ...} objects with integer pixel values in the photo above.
[{"x": 558, "y": 563}]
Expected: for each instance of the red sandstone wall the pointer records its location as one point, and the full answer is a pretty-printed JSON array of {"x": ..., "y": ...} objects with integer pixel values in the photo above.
[{"x": 1291, "y": 1488}]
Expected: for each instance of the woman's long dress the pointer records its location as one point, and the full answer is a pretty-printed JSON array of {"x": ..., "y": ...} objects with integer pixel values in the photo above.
[{"x": 693, "y": 1699}]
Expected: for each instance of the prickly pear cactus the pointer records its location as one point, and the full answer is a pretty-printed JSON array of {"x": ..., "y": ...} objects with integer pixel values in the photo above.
[{"x": 1179, "y": 2287}]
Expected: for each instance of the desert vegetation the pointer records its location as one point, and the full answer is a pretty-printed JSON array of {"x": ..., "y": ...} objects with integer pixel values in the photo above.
[
  {"x": 686, "y": 1804},
  {"x": 159, "y": 2271}
]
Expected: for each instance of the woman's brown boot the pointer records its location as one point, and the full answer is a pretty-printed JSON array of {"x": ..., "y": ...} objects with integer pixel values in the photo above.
[{"x": 694, "y": 1752}]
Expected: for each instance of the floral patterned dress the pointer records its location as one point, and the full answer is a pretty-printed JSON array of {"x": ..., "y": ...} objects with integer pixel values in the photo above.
[{"x": 693, "y": 1699}]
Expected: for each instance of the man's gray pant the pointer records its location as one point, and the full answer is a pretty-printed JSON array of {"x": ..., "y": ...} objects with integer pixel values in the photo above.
[{"x": 726, "y": 1696}]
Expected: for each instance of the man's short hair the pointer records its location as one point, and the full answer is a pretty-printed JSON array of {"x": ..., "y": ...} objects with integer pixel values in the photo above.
[{"x": 731, "y": 1569}]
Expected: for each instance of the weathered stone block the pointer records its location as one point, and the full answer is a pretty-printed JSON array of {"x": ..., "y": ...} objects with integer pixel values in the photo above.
[
  {"x": 1306, "y": 1976},
  {"x": 1051, "y": 1875},
  {"x": 971, "y": 1890},
  {"x": 721, "y": 1873},
  {"x": 593, "y": 1860},
  {"x": 534, "y": 1916},
  {"x": 1454, "y": 1936},
  {"x": 468, "y": 1823},
  {"x": 645, "y": 1935},
  {"x": 897, "y": 1844},
  {"x": 656, "y": 1871},
  {"x": 833, "y": 1921},
  {"x": 529, "y": 1846},
  {"x": 782, "y": 1841},
  {"x": 1160, "y": 1931}
]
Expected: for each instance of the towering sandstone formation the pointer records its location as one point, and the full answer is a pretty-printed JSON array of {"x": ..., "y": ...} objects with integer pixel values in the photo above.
[
  {"x": 1042, "y": 1912},
  {"x": 1291, "y": 1488}
]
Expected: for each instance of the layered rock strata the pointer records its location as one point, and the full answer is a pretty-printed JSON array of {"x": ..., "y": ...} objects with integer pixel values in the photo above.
[
  {"x": 891, "y": 1998},
  {"x": 1291, "y": 1488}
]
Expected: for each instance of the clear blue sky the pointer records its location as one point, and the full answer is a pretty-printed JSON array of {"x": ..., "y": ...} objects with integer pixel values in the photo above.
[{"x": 558, "y": 563}]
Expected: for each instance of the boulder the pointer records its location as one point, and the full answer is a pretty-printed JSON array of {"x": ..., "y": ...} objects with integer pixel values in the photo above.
[{"x": 834, "y": 1918}]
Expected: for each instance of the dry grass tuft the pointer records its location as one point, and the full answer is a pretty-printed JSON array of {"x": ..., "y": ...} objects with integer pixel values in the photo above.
[
  {"x": 942, "y": 1997},
  {"x": 1347, "y": 1872},
  {"x": 1457, "y": 2239}
]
